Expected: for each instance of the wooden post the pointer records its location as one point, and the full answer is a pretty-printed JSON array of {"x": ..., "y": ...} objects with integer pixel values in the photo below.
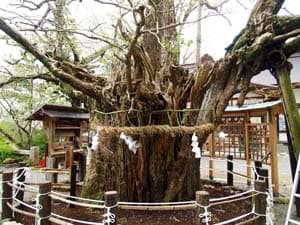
[
  {"x": 50, "y": 164},
  {"x": 34, "y": 155},
  {"x": 73, "y": 183},
  {"x": 211, "y": 142},
  {"x": 260, "y": 201},
  {"x": 273, "y": 148},
  {"x": 82, "y": 166},
  {"x": 6, "y": 195},
  {"x": 229, "y": 170},
  {"x": 257, "y": 166},
  {"x": 45, "y": 202},
  {"x": 202, "y": 198},
  {"x": 111, "y": 200},
  {"x": 21, "y": 178},
  {"x": 247, "y": 148},
  {"x": 265, "y": 176},
  {"x": 69, "y": 156}
]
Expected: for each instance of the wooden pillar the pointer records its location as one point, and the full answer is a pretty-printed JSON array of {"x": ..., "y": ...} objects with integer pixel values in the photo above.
[
  {"x": 82, "y": 166},
  {"x": 257, "y": 166},
  {"x": 73, "y": 183},
  {"x": 273, "y": 149},
  {"x": 6, "y": 195},
  {"x": 247, "y": 147},
  {"x": 202, "y": 198},
  {"x": 260, "y": 201},
  {"x": 111, "y": 200},
  {"x": 45, "y": 202},
  {"x": 69, "y": 156},
  {"x": 34, "y": 155},
  {"x": 264, "y": 173},
  {"x": 51, "y": 135},
  {"x": 50, "y": 164},
  {"x": 211, "y": 141},
  {"x": 229, "y": 170}
]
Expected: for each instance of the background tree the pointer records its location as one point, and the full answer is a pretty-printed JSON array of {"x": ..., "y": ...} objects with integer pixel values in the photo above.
[
  {"x": 147, "y": 82},
  {"x": 24, "y": 90}
]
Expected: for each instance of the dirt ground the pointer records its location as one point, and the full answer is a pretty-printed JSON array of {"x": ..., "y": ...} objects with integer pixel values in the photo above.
[{"x": 179, "y": 217}]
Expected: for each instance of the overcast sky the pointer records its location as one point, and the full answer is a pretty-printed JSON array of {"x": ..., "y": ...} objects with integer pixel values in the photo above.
[{"x": 217, "y": 32}]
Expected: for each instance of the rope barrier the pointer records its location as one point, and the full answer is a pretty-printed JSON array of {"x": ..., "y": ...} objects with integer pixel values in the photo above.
[
  {"x": 18, "y": 186},
  {"x": 241, "y": 164},
  {"x": 239, "y": 175},
  {"x": 233, "y": 200},
  {"x": 78, "y": 198},
  {"x": 110, "y": 217},
  {"x": 76, "y": 203},
  {"x": 25, "y": 204},
  {"x": 156, "y": 203},
  {"x": 75, "y": 220},
  {"x": 231, "y": 196},
  {"x": 206, "y": 216},
  {"x": 234, "y": 219}
]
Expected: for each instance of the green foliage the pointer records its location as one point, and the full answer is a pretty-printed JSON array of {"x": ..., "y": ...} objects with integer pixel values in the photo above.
[
  {"x": 100, "y": 197},
  {"x": 8, "y": 126},
  {"x": 5, "y": 149},
  {"x": 39, "y": 138}
]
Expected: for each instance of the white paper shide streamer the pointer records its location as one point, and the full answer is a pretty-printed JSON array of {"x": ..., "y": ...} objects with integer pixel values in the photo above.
[
  {"x": 95, "y": 142},
  {"x": 133, "y": 145},
  {"x": 195, "y": 146},
  {"x": 222, "y": 135}
]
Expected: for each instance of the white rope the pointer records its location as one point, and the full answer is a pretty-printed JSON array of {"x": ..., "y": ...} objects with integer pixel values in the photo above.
[
  {"x": 37, "y": 210},
  {"x": 76, "y": 203},
  {"x": 78, "y": 198},
  {"x": 205, "y": 216},
  {"x": 241, "y": 164},
  {"x": 14, "y": 178},
  {"x": 258, "y": 176},
  {"x": 231, "y": 196},
  {"x": 234, "y": 219},
  {"x": 24, "y": 170},
  {"x": 239, "y": 175},
  {"x": 75, "y": 220},
  {"x": 25, "y": 204},
  {"x": 233, "y": 200},
  {"x": 22, "y": 187},
  {"x": 109, "y": 217},
  {"x": 269, "y": 210},
  {"x": 156, "y": 203},
  {"x": 28, "y": 186}
]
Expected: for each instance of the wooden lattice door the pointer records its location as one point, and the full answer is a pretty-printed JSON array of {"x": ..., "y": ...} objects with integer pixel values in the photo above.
[{"x": 259, "y": 144}]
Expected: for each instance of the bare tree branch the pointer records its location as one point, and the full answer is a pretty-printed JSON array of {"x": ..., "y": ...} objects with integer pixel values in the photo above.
[
  {"x": 113, "y": 4},
  {"x": 79, "y": 84},
  {"x": 35, "y": 5},
  {"x": 11, "y": 138},
  {"x": 13, "y": 79}
]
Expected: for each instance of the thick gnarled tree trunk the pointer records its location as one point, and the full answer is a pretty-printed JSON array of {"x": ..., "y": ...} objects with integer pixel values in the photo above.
[{"x": 159, "y": 169}]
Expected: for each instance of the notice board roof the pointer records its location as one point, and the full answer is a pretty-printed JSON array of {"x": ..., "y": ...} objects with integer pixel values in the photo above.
[{"x": 60, "y": 112}]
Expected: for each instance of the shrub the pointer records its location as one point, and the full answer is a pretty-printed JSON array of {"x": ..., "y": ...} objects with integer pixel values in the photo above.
[
  {"x": 5, "y": 149},
  {"x": 39, "y": 139}
]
